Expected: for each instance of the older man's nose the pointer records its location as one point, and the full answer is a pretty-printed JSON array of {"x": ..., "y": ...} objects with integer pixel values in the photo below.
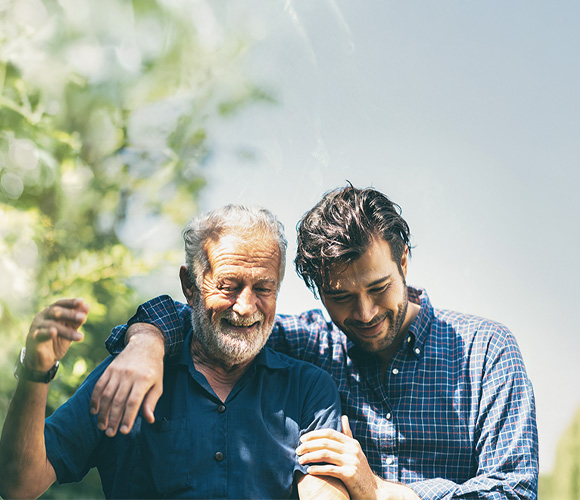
[{"x": 245, "y": 304}]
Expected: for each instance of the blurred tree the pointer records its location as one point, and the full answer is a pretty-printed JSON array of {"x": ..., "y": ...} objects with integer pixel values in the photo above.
[
  {"x": 103, "y": 114},
  {"x": 565, "y": 478}
]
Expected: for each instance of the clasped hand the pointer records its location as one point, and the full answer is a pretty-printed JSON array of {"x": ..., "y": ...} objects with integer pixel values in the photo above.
[{"x": 343, "y": 457}]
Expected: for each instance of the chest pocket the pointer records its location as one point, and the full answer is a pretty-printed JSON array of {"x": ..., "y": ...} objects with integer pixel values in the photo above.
[{"x": 165, "y": 457}]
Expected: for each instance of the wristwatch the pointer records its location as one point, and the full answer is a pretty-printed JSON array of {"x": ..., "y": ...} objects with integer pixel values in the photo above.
[{"x": 21, "y": 371}]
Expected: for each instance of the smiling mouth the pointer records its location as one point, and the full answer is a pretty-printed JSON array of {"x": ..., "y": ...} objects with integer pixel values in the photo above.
[
  {"x": 246, "y": 326},
  {"x": 369, "y": 330}
]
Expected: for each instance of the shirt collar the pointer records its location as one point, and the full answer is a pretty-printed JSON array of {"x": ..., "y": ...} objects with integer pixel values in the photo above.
[{"x": 419, "y": 329}]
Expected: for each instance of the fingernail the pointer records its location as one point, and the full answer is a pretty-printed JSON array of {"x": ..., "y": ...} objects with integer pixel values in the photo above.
[
  {"x": 101, "y": 427},
  {"x": 124, "y": 429},
  {"x": 78, "y": 336},
  {"x": 110, "y": 432}
]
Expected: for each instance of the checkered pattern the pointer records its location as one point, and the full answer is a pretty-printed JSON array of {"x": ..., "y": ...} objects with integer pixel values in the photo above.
[{"x": 454, "y": 416}]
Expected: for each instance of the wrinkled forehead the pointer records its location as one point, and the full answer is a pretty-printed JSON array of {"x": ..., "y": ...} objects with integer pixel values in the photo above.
[{"x": 244, "y": 250}]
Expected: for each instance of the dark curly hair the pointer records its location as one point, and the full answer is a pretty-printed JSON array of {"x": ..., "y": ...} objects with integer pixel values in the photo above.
[{"x": 340, "y": 229}]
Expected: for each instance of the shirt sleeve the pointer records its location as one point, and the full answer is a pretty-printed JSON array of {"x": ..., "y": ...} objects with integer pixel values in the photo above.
[
  {"x": 171, "y": 317},
  {"x": 506, "y": 440},
  {"x": 72, "y": 438},
  {"x": 321, "y": 406}
]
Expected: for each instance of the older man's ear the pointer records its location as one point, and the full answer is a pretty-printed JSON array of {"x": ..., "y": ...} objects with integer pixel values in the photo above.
[{"x": 187, "y": 285}]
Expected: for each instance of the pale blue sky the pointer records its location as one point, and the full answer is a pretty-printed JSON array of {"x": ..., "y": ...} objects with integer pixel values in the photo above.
[{"x": 465, "y": 113}]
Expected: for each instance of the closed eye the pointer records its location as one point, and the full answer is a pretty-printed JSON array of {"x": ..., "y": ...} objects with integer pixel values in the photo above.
[
  {"x": 380, "y": 289},
  {"x": 341, "y": 299}
]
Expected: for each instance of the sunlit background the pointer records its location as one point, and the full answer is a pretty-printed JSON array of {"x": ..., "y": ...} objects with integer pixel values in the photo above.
[{"x": 119, "y": 120}]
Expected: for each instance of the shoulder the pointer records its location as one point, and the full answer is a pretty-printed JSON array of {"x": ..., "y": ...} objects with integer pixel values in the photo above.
[
  {"x": 469, "y": 326},
  {"x": 484, "y": 342}
]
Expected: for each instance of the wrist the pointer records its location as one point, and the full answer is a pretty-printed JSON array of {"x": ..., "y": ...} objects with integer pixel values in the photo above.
[
  {"x": 147, "y": 335},
  {"x": 23, "y": 371}
]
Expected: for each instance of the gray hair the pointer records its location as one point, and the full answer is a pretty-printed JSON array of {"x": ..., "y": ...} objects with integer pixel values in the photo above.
[{"x": 225, "y": 220}]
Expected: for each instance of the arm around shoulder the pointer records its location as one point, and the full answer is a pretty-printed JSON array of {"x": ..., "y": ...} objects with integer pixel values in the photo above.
[{"x": 134, "y": 378}]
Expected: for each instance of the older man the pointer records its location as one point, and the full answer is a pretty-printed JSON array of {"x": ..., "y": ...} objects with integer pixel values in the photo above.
[
  {"x": 232, "y": 412},
  {"x": 437, "y": 400}
]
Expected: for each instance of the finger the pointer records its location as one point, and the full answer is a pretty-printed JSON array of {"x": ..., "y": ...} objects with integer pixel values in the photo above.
[
  {"x": 73, "y": 316},
  {"x": 321, "y": 444},
  {"x": 48, "y": 329},
  {"x": 342, "y": 473},
  {"x": 43, "y": 333},
  {"x": 151, "y": 402},
  {"x": 322, "y": 434},
  {"x": 130, "y": 414},
  {"x": 106, "y": 399},
  {"x": 98, "y": 392},
  {"x": 118, "y": 407},
  {"x": 325, "y": 455},
  {"x": 345, "y": 426}
]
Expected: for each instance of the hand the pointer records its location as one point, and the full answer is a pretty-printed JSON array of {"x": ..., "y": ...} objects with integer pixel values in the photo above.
[
  {"x": 52, "y": 331},
  {"x": 346, "y": 461},
  {"x": 135, "y": 376}
]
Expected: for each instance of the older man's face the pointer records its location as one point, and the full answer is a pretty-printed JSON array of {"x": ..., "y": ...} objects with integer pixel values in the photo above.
[{"x": 234, "y": 312}]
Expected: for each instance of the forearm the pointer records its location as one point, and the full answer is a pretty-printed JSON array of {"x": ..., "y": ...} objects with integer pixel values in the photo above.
[
  {"x": 25, "y": 471},
  {"x": 146, "y": 335},
  {"x": 321, "y": 488}
]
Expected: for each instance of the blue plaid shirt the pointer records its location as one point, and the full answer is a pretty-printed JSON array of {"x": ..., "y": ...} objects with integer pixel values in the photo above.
[{"x": 454, "y": 416}]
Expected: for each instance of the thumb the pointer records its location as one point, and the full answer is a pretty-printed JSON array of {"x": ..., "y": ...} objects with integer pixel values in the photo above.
[
  {"x": 150, "y": 402},
  {"x": 345, "y": 426}
]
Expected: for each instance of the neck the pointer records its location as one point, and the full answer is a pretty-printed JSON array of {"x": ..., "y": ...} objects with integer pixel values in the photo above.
[{"x": 221, "y": 376}]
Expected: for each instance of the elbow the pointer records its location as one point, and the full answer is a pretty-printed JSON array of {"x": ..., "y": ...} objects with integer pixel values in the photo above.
[
  {"x": 12, "y": 488},
  {"x": 14, "y": 485}
]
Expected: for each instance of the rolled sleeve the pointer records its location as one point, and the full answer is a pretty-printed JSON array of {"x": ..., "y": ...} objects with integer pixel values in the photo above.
[{"x": 170, "y": 317}]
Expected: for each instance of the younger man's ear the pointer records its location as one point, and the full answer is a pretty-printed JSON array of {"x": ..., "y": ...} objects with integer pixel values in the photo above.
[
  {"x": 187, "y": 285},
  {"x": 405, "y": 260}
]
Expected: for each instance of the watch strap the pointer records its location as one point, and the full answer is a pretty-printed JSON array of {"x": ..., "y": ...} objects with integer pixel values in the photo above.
[{"x": 21, "y": 371}]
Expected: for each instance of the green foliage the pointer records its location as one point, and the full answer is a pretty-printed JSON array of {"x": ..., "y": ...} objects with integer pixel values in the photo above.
[
  {"x": 564, "y": 482},
  {"x": 103, "y": 138}
]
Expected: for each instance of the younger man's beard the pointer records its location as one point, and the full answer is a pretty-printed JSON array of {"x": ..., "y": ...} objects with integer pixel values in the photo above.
[{"x": 224, "y": 344}]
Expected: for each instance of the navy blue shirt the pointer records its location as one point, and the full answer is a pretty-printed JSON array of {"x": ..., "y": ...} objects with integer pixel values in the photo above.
[{"x": 199, "y": 446}]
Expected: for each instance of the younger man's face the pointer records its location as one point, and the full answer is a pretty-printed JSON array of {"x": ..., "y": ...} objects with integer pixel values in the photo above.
[{"x": 368, "y": 299}]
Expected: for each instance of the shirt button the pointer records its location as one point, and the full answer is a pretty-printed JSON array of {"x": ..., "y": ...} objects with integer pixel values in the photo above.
[
  {"x": 219, "y": 456},
  {"x": 389, "y": 461},
  {"x": 389, "y": 416},
  {"x": 409, "y": 338},
  {"x": 417, "y": 351},
  {"x": 395, "y": 371},
  {"x": 221, "y": 408}
]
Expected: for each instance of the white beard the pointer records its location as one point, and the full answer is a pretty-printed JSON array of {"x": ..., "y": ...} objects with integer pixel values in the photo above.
[{"x": 229, "y": 345}]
